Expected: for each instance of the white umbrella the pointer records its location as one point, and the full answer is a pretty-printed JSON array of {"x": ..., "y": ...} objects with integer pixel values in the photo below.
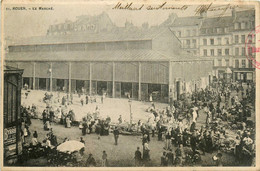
[{"x": 70, "y": 146}]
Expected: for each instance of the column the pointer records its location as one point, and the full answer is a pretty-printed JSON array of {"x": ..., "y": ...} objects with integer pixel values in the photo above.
[
  {"x": 113, "y": 81},
  {"x": 34, "y": 76},
  {"x": 50, "y": 78},
  {"x": 170, "y": 83},
  {"x": 69, "y": 77},
  {"x": 139, "y": 81},
  {"x": 90, "y": 78}
]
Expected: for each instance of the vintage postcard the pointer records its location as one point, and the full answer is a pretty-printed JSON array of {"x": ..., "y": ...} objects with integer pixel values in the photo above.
[{"x": 124, "y": 84}]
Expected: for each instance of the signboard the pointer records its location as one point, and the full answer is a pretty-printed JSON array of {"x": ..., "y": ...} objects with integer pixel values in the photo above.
[{"x": 10, "y": 141}]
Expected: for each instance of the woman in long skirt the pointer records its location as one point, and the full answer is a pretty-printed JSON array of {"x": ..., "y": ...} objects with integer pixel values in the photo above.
[{"x": 68, "y": 122}]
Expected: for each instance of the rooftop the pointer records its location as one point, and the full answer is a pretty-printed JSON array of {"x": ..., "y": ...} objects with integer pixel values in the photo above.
[
  {"x": 218, "y": 22},
  {"x": 116, "y": 35},
  {"x": 116, "y": 55}
]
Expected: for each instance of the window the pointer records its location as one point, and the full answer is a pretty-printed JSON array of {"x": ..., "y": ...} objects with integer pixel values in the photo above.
[
  {"x": 227, "y": 62},
  {"x": 219, "y": 41},
  {"x": 212, "y": 41},
  {"x": 204, "y": 41},
  {"x": 218, "y": 30},
  {"x": 243, "y": 51},
  {"x": 250, "y": 50},
  {"x": 243, "y": 25},
  {"x": 212, "y": 52},
  {"x": 250, "y": 64},
  {"x": 237, "y": 26},
  {"x": 249, "y": 39},
  {"x": 205, "y": 52},
  {"x": 188, "y": 43},
  {"x": 194, "y": 42},
  {"x": 226, "y": 51},
  {"x": 219, "y": 52},
  {"x": 227, "y": 40},
  {"x": 188, "y": 32},
  {"x": 219, "y": 62},
  {"x": 236, "y": 63},
  {"x": 226, "y": 30},
  {"x": 243, "y": 63},
  {"x": 237, "y": 51},
  {"x": 236, "y": 38},
  {"x": 243, "y": 39}
]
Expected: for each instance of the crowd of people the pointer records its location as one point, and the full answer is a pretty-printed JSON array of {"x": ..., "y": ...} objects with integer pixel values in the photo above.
[
  {"x": 177, "y": 125},
  {"x": 226, "y": 107}
]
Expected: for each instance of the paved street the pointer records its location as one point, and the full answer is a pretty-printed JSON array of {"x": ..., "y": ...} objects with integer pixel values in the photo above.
[{"x": 124, "y": 152}]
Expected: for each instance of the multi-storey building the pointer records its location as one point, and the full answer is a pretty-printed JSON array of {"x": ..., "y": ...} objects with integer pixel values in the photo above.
[
  {"x": 221, "y": 39},
  {"x": 187, "y": 31},
  {"x": 243, "y": 24},
  {"x": 216, "y": 43}
]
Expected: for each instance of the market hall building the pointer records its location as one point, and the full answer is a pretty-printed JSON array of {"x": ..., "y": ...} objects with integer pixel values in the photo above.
[{"x": 138, "y": 62}]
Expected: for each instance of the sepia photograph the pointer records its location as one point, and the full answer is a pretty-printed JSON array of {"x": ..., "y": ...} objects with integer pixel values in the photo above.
[{"x": 129, "y": 84}]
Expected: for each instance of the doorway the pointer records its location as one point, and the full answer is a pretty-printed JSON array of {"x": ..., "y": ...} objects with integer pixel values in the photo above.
[{"x": 42, "y": 84}]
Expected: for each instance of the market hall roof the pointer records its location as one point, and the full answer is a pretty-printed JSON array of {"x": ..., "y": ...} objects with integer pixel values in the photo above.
[
  {"x": 99, "y": 56},
  {"x": 81, "y": 37}
]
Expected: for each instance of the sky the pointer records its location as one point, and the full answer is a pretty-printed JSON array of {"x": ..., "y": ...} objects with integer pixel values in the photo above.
[{"x": 27, "y": 23}]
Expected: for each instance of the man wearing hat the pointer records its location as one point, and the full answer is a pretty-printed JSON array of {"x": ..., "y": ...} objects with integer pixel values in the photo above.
[{"x": 116, "y": 135}]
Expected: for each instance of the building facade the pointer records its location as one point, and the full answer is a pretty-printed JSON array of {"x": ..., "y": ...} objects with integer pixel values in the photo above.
[
  {"x": 139, "y": 62},
  {"x": 221, "y": 39}
]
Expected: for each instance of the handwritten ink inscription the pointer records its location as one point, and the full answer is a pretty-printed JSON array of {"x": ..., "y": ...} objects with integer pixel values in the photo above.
[
  {"x": 165, "y": 6},
  {"x": 132, "y": 6}
]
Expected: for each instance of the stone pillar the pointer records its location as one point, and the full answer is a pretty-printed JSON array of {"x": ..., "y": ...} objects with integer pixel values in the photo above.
[
  {"x": 34, "y": 76},
  {"x": 139, "y": 81},
  {"x": 113, "y": 81},
  {"x": 170, "y": 89},
  {"x": 90, "y": 78},
  {"x": 69, "y": 77},
  {"x": 50, "y": 70}
]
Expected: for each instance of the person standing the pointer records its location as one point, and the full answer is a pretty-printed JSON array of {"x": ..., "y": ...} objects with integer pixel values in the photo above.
[
  {"x": 82, "y": 101},
  {"x": 138, "y": 157},
  {"x": 102, "y": 98},
  {"x": 164, "y": 161},
  {"x": 68, "y": 122},
  {"x": 116, "y": 135},
  {"x": 86, "y": 99},
  {"x": 168, "y": 140},
  {"x": 160, "y": 130},
  {"x": 146, "y": 153},
  {"x": 104, "y": 159},
  {"x": 34, "y": 139},
  {"x": 170, "y": 157},
  {"x": 91, "y": 162},
  {"x": 120, "y": 119},
  {"x": 193, "y": 142},
  {"x": 84, "y": 129}
]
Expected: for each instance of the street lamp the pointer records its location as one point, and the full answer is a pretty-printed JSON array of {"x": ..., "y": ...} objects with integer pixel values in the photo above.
[
  {"x": 131, "y": 117},
  {"x": 50, "y": 72}
]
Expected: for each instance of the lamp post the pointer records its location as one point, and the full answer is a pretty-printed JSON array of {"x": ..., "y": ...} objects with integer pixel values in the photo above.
[
  {"x": 50, "y": 71},
  {"x": 131, "y": 117}
]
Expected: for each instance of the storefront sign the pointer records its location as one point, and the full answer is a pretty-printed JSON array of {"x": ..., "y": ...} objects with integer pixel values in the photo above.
[{"x": 10, "y": 141}]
